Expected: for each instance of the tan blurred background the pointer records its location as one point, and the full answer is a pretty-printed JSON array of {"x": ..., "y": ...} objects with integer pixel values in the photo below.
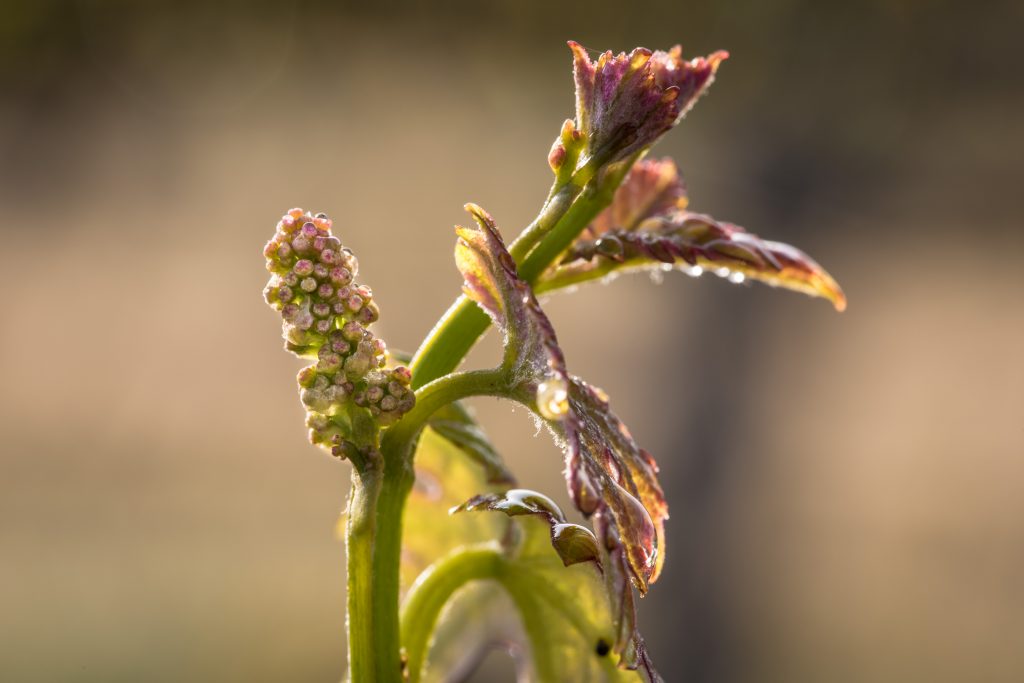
[{"x": 847, "y": 491}]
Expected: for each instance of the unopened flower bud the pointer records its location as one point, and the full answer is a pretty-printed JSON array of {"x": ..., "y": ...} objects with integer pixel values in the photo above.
[
  {"x": 357, "y": 365},
  {"x": 354, "y": 303},
  {"x": 402, "y": 374},
  {"x": 340, "y": 276},
  {"x": 303, "y": 268},
  {"x": 306, "y": 376},
  {"x": 369, "y": 313},
  {"x": 352, "y": 331},
  {"x": 329, "y": 363}
]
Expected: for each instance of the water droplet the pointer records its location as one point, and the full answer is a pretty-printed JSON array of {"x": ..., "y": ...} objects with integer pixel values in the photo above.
[
  {"x": 695, "y": 271},
  {"x": 736, "y": 277},
  {"x": 722, "y": 272},
  {"x": 553, "y": 398}
]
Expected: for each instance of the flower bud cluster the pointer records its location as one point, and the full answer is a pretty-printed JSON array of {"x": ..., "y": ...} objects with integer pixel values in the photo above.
[{"x": 326, "y": 315}]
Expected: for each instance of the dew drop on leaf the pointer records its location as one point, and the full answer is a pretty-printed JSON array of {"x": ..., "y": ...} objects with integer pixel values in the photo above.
[
  {"x": 737, "y": 277},
  {"x": 553, "y": 398}
]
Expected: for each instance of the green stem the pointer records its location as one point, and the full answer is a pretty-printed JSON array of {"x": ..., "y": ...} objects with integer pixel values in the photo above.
[
  {"x": 399, "y": 439},
  {"x": 431, "y": 593},
  {"x": 595, "y": 198},
  {"x": 463, "y": 323},
  {"x": 360, "y": 532},
  {"x": 374, "y": 531},
  {"x": 383, "y": 591}
]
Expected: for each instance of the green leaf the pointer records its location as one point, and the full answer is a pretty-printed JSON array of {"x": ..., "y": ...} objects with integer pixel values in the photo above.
[
  {"x": 558, "y": 621},
  {"x": 454, "y": 423},
  {"x": 445, "y": 478}
]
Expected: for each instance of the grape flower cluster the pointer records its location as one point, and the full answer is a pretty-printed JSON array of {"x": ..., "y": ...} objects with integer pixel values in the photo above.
[{"x": 326, "y": 315}]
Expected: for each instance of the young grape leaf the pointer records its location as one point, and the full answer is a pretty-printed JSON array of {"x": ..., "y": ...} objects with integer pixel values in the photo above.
[
  {"x": 653, "y": 187},
  {"x": 608, "y": 476},
  {"x": 624, "y": 103},
  {"x": 640, "y": 231}
]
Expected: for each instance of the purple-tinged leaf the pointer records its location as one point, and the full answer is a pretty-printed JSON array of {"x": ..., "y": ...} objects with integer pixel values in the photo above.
[
  {"x": 608, "y": 475},
  {"x": 653, "y": 187},
  {"x": 624, "y": 103},
  {"x": 647, "y": 228},
  {"x": 615, "y": 480}
]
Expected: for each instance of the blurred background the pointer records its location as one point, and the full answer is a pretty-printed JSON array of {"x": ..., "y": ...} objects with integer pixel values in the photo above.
[{"x": 847, "y": 491}]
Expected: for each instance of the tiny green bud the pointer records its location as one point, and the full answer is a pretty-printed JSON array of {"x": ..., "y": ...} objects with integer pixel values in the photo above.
[{"x": 306, "y": 376}]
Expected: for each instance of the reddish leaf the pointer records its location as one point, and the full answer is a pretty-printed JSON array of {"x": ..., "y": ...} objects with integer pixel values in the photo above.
[
  {"x": 644, "y": 229},
  {"x": 624, "y": 103},
  {"x": 608, "y": 475},
  {"x": 652, "y": 187}
]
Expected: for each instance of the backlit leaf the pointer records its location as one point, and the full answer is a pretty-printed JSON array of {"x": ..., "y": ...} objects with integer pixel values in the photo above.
[
  {"x": 626, "y": 237},
  {"x": 570, "y": 609},
  {"x": 454, "y": 423}
]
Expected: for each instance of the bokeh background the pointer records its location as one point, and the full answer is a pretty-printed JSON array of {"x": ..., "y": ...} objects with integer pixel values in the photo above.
[{"x": 847, "y": 491}]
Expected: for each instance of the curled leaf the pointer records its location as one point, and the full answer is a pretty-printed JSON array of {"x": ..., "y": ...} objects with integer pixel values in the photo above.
[
  {"x": 641, "y": 230},
  {"x": 572, "y": 542},
  {"x": 532, "y": 355}
]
